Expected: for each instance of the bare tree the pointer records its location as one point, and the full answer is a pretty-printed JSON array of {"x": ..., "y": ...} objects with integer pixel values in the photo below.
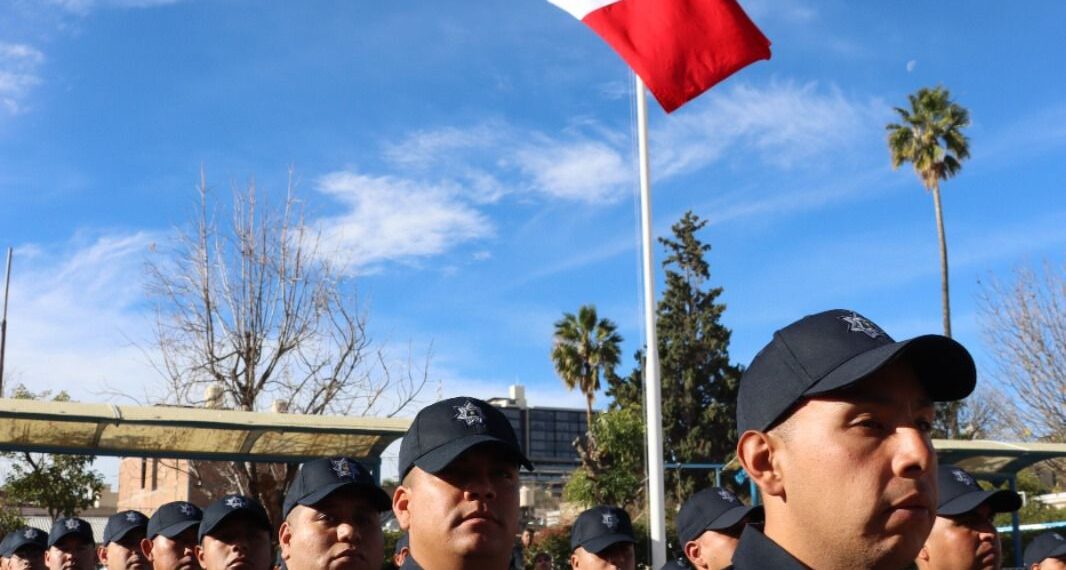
[
  {"x": 1024, "y": 325},
  {"x": 256, "y": 312}
]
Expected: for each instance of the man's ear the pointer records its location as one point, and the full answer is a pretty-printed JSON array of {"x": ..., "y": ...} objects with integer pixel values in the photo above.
[
  {"x": 923, "y": 554},
  {"x": 692, "y": 552},
  {"x": 101, "y": 555},
  {"x": 198, "y": 550},
  {"x": 146, "y": 548},
  {"x": 401, "y": 499},
  {"x": 284, "y": 539},
  {"x": 574, "y": 562},
  {"x": 757, "y": 452}
]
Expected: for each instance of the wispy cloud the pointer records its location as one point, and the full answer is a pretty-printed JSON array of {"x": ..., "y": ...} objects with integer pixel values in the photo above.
[
  {"x": 395, "y": 219},
  {"x": 82, "y": 7},
  {"x": 19, "y": 73}
]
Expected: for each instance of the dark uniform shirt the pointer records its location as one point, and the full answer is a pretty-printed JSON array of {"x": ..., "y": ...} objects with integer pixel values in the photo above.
[
  {"x": 410, "y": 564},
  {"x": 757, "y": 552}
]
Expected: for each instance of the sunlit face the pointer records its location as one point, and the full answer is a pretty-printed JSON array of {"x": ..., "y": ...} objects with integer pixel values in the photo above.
[
  {"x": 340, "y": 532},
  {"x": 859, "y": 472},
  {"x": 125, "y": 553},
  {"x": 236, "y": 544},
  {"x": 964, "y": 542},
  {"x": 467, "y": 511},
  {"x": 1057, "y": 563},
  {"x": 714, "y": 548},
  {"x": 618, "y": 556},
  {"x": 177, "y": 553},
  {"x": 72, "y": 552}
]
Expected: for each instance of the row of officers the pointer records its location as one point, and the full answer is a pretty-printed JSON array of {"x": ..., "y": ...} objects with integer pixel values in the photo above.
[{"x": 834, "y": 420}]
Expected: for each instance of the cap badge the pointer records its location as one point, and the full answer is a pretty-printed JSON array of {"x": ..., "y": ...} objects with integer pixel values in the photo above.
[
  {"x": 186, "y": 509},
  {"x": 234, "y": 502},
  {"x": 963, "y": 477},
  {"x": 610, "y": 520},
  {"x": 71, "y": 524},
  {"x": 726, "y": 496},
  {"x": 132, "y": 517},
  {"x": 343, "y": 468},
  {"x": 469, "y": 414},
  {"x": 30, "y": 533},
  {"x": 857, "y": 323}
]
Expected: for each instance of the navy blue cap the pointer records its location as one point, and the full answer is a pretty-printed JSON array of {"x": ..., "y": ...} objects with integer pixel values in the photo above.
[
  {"x": 833, "y": 349},
  {"x": 20, "y": 538},
  {"x": 66, "y": 526},
  {"x": 711, "y": 509},
  {"x": 1048, "y": 545},
  {"x": 600, "y": 527},
  {"x": 319, "y": 478},
  {"x": 960, "y": 493},
  {"x": 231, "y": 506},
  {"x": 121, "y": 523},
  {"x": 174, "y": 518},
  {"x": 403, "y": 542},
  {"x": 444, "y": 430}
]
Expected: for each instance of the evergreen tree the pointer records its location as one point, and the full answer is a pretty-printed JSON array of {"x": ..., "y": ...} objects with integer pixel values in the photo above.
[{"x": 699, "y": 384}]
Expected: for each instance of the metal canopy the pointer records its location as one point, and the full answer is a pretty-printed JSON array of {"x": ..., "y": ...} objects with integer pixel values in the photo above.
[
  {"x": 995, "y": 460},
  {"x": 189, "y": 433}
]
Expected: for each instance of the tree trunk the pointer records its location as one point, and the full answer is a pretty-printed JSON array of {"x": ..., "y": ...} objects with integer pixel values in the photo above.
[{"x": 946, "y": 302}]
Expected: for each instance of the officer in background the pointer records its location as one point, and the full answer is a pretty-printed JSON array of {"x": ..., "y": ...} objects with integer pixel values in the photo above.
[
  {"x": 400, "y": 552},
  {"x": 834, "y": 418},
  {"x": 235, "y": 535},
  {"x": 964, "y": 535},
  {"x": 1046, "y": 552},
  {"x": 170, "y": 542},
  {"x": 458, "y": 497},
  {"x": 709, "y": 526},
  {"x": 23, "y": 549},
  {"x": 332, "y": 513},
  {"x": 602, "y": 539},
  {"x": 71, "y": 545},
  {"x": 121, "y": 548}
]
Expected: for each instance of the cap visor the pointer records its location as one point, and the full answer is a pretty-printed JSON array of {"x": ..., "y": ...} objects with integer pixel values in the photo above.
[
  {"x": 435, "y": 460},
  {"x": 601, "y": 543},
  {"x": 943, "y": 366},
  {"x": 731, "y": 518},
  {"x": 175, "y": 529},
  {"x": 380, "y": 500},
  {"x": 1001, "y": 501}
]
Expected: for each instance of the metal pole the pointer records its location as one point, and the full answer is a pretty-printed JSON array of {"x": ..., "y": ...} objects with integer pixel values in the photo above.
[
  {"x": 3, "y": 321},
  {"x": 652, "y": 403}
]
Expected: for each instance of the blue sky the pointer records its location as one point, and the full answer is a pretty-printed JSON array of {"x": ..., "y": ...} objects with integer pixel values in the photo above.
[{"x": 472, "y": 164}]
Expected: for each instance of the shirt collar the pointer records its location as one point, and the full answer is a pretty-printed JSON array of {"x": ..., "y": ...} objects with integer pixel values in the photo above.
[{"x": 757, "y": 551}]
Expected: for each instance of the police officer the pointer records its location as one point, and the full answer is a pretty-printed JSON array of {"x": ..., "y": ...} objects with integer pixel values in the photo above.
[
  {"x": 170, "y": 542},
  {"x": 964, "y": 535},
  {"x": 23, "y": 549},
  {"x": 401, "y": 550},
  {"x": 709, "y": 526},
  {"x": 71, "y": 545},
  {"x": 121, "y": 548},
  {"x": 235, "y": 535},
  {"x": 458, "y": 497},
  {"x": 1046, "y": 552},
  {"x": 602, "y": 539},
  {"x": 332, "y": 513},
  {"x": 835, "y": 419}
]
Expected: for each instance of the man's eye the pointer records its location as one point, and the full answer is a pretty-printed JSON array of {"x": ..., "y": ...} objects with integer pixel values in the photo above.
[
  {"x": 925, "y": 426},
  {"x": 870, "y": 423}
]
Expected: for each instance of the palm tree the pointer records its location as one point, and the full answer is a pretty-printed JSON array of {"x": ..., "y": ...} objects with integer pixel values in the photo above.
[
  {"x": 585, "y": 346},
  {"x": 930, "y": 137}
]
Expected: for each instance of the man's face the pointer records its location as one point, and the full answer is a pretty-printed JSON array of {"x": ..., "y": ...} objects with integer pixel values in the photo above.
[
  {"x": 71, "y": 553},
  {"x": 340, "y": 532},
  {"x": 1057, "y": 563},
  {"x": 858, "y": 471},
  {"x": 714, "y": 548},
  {"x": 237, "y": 544},
  {"x": 527, "y": 538},
  {"x": 543, "y": 561},
  {"x": 618, "y": 556},
  {"x": 468, "y": 510},
  {"x": 965, "y": 542},
  {"x": 178, "y": 553},
  {"x": 26, "y": 558},
  {"x": 124, "y": 554}
]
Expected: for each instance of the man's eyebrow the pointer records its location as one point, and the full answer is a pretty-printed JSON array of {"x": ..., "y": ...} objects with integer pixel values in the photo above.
[{"x": 885, "y": 401}]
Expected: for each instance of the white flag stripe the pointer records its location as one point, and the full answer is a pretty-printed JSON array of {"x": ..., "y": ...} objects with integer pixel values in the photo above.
[{"x": 581, "y": 8}]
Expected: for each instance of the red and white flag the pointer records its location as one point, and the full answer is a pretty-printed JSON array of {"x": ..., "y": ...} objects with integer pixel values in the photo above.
[{"x": 679, "y": 48}]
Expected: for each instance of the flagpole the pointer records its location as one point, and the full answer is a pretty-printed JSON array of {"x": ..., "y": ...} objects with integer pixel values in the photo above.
[{"x": 652, "y": 402}]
